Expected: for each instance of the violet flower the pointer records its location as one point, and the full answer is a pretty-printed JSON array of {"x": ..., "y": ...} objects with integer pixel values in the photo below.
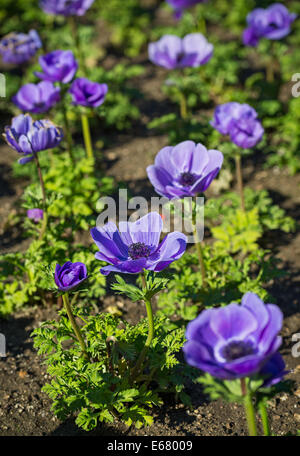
[
  {"x": 37, "y": 98},
  {"x": 184, "y": 170},
  {"x": 66, "y": 7},
  {"x": 274, "y": 370},
  {"x": 87, "y": 93},
  {"x": 18, "y": 48},
  {"x": 58, "y": 66},
  {"x": 234, "y": 341},
  {"x": 240, "y": 122},
  {"x": 180, "y": 5},
  {"x": 273, "y": 23},
  {"x": 173, "y": 52},
  {"x": 70, "y": 275},
  {"x": 35, "y": 214},
  {"x": 136, "y": 245},
  {"x": 28, "y": 137}
]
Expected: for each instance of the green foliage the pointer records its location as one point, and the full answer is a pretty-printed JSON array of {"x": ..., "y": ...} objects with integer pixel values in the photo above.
[
  {"x": 228, "y": 278},
  {"x": 101, "y": 389},
  {"x": 129, "y": 22},
  {"x": 259, "y": 204},
  {"x": 239, "y": 232},
  {"x": 230, "y": 390}
]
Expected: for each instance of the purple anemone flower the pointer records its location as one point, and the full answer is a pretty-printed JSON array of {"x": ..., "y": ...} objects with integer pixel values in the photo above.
[
  {"x": 28, "y": 137},
  {"x": 37, "y": 98},
  {"x": 87, "y": 93},
  {"x": 184, "y": 170},
  {"x": 173, "y": 52},
  {"x": 66, "y": 7},
  {"x": 136, "y": 245},
  {"x": 35, "y": 214},
  {"x": 18, "y": 48},
  {"x": 70, "y": 275},
  {"x": 274, "y": 370},
  {"x": 240, "y": 122},
  {"x": 58, "y": 66},
  {"x": 234, "y": 341},
  {"x": 180, "y": 5},
  {"x": 273, "y": 23}
]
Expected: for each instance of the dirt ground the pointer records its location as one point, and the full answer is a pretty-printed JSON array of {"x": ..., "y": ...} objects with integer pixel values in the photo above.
[{"x": 25, "y": 410}]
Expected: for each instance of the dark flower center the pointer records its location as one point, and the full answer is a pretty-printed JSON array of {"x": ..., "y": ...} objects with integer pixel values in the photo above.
[
  {"x": 138, "y": 250},
  {"x": 39, "y": 104},
  {"x": 237, "y": 349},
  {"x": 187, "y": 179}
]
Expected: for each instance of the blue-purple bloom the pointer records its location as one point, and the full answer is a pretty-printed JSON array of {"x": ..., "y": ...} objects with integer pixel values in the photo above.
[
  {"x": 136, "y": 245},
  {"x": 35, "y": 214},
  {"x": 28, "y": 137},
  {"x": 37, "y": 98},
  {"x": 70, "y": 275},
  {"x": 273, "y": 23},
  {"x": 234, "y": 341},
  {"x": 58, "y": 66},
  {"x": 184, "y": 170},
  {"x": 18, "y": 48},
  {"x": 88, "y": 93},
  {"x": 173, "y": 52},
  {"x": 66, "y": 7},
  {"x": 240, "y": 122},
  {"x": 180, "y": 5},
  {"x": 273, "y": 371}
]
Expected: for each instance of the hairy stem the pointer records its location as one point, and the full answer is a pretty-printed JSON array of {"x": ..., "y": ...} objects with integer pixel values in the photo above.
[
  {"x": 67, "y": 132},
  {"x": 45, "y": 215},
  {"x": 239, "y": 177},
  {"x": 199, "y": 249},
  {"x": 249, "y": 409},
  {"x": 87, "y": 136},
  {"x": 150, "y": 336},
  {"x": 76, "y": 329},
  {"x": 264, "y": 418}
]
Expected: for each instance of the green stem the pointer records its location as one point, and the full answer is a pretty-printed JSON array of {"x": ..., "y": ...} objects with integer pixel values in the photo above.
[
  {"x": 249, "y": 409},
  {"x": 87, "y": 136},
  {"x": 74, "y": 324},
  {"x": 150, "y": 336},
  {"x": 264, "y": 418},
  {"x": 199, "y": 250},
  {"x": 183, "y": 106},
  {"x": 239, "y": 177},
  {"x": 76, "y": 37},
  {"x": 67, "y": 131},
  {"x": 45, "y": 215}
]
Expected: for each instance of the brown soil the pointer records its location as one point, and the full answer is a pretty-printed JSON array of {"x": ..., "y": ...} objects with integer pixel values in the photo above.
[{"x": 25, "y": 410}]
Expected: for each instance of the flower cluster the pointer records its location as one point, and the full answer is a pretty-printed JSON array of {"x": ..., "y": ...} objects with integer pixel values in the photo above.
[
  {"x": 184, "y": 170},
  {"x": 28, "y": 137},
  {"x": 18, "y": 48},
  {"x": 272, "y": 23},
  {"x": 172, "y": 52},
  {"x": 66, "y": 7},
  {"x": 240, "y": 122}
]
